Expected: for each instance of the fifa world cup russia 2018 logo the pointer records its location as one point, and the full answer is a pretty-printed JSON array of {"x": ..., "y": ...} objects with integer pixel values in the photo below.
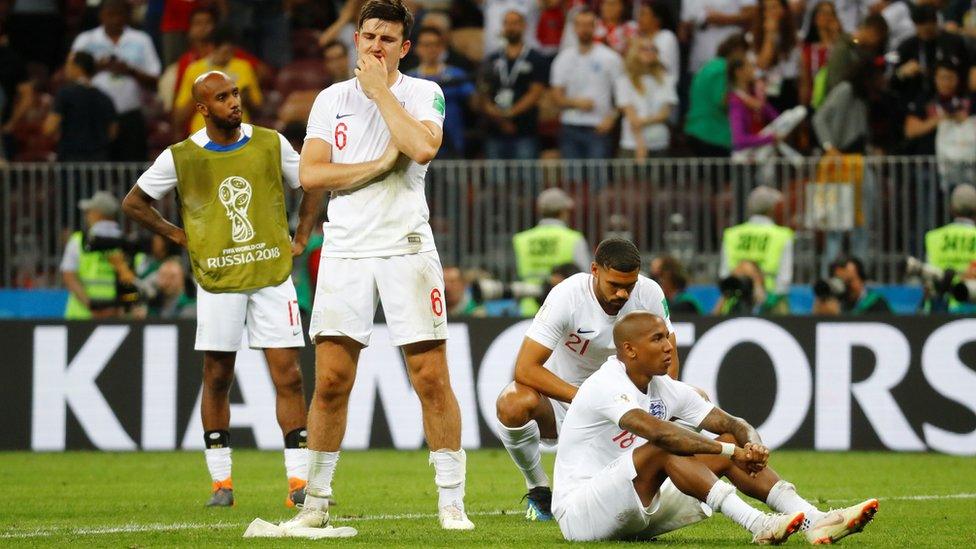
[{"x": 235, "y": 194}]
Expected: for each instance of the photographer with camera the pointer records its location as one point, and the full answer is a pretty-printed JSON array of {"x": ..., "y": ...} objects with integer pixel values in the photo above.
[
  {"x": 744, "y": 293},
  {"x": 846, "y": 291},
  {"x": 92, "y": 273},
  {"x": 952, "y": 249},
  {"x": 764, "y": 243}
]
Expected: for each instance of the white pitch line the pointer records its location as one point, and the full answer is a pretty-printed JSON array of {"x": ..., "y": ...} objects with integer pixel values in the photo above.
[{"x": 177, "y": 526}]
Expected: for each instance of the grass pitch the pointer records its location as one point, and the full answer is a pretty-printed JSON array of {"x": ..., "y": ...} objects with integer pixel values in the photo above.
[{"x": 156, "y": 499}]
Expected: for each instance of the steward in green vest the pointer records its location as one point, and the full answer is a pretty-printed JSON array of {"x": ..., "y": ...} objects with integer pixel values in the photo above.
[
  {"x": 761, "y": 241},
  {"x": 229, "y": 178},
  {"x": 953, "y": 246},
  {"x": 549, "y": 244},
  {"x": 89, "y": 275}
]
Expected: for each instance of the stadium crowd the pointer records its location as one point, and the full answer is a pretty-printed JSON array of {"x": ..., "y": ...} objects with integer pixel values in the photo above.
[
  {"x": 527, "y": 79},
  {"x": 522, "y": 78}
]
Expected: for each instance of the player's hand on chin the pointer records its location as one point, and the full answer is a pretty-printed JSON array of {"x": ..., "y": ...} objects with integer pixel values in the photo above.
[{"x": 371, "y": 73}]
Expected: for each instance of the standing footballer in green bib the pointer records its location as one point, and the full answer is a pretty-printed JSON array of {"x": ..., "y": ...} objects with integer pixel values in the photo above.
[{"x": 229, "y": 180}]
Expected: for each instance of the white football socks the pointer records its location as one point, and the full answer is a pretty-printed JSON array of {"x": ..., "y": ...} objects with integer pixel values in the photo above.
[
  {"x": 218, "y": 463},
  {"x": 523, "y": 444},
  {"x": 449, "y": 470},
  {"x": 722, "y": 498},
  {"x": 296, "y": 463},
  {"x": 783, "y": 498},
  {"x": 321, "y": 469}
]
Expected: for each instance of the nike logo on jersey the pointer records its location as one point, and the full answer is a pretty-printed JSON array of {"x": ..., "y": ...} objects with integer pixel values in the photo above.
[
  {"x": 340, "y": 116},
  {"x": 581, "y": 331},
  {"x": 295, "y": 332}
]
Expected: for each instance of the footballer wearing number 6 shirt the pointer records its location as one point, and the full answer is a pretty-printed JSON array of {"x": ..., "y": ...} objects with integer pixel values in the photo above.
[{"x": 369, "y": 142}]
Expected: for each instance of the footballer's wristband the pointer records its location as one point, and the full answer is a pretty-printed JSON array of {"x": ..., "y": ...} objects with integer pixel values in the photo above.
[{"x": 727, "y": 449}]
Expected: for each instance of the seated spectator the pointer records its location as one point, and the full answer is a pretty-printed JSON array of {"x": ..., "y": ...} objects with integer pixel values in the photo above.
[
  {"x": 857, "y": 298},
  {"x": 457, "y": 295},
  {"x": 749, "y": 112},
  {"x": 850, "y": 52},
  {"x": 126, "y": 60},
  {"x": 83, "y": 115},
  {"x": 171, "y": 300},
  {"x": 707, "y": 119},
  {"x": 817, "y": 45},
  {"x": 777, "y": 55},
  {"x": 918, "y": 55},
  {"x": 510, "y": 84},
  {"x": 713, "y": 21},
  {"x": 454, "y": 82},
  {"x": 220, "y": 59},
  {"x": 614, "y": 28},
  {"x": 654, "y": 21},
  {"x": 647, "y": 96},
  {"x": 671, "y": 275},
  {"x": 582, "y": 79}
]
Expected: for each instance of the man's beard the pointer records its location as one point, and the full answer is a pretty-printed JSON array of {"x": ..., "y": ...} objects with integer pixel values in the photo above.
[
  {"x": 513, "y": 39},
  {"x": 226, "y": 123}
]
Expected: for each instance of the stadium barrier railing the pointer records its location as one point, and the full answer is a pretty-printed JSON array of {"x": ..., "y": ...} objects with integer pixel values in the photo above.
[{"x": 881, "y": 206}]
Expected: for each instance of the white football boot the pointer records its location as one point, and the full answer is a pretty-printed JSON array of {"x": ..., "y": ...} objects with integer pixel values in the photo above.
[
  {"x": 776, "y": 528},
  {"x": 452, "y": 517},
  {"x": 841, "y": 523}
]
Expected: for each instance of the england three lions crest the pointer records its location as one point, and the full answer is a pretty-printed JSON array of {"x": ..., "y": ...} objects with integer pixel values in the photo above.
[{"x": 657, "y": 409}]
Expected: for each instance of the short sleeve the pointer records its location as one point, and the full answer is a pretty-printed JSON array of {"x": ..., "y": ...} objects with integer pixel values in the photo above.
[
  {"x": 80, "y": 43},
  {"x": 558, "y": 77},
  {"x": 691, "y": 407},
  {"x": 612, "y": 400},
  {"x": 622, "y": 95},
  {"x": 429, "y": 103},
  {"x": 553, "y": 319},
  {"x": 151, "y": 64},
  {"x": 160, "y": 178},
  {"x": 289, "y": 163},
  {"x": 71, "y": 258},
  {"x": 321, "y": 117}
]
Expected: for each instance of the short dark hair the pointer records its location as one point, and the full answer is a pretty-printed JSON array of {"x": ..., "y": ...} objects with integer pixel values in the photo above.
[
  {"x": 878, "y": 24},
  {"x": 224, "y": 35},
  {"x": 618, "y": 254},
  {"x": 565, "y": 270},
  {"x": 209, "y": 10},
  {"x": 114, "y": 5},
  {"x": 430, "y": 30},
  {"x": 729, "y": 46},
  {"x": 333, "y": 43},
  {"x": 84, "y": 61},
  {"x": 387, "y": 10},
  {"x": 674, "y": 269}
]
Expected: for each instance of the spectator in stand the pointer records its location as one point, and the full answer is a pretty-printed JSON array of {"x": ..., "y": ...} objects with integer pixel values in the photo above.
[
  {"x": 263, "y": 27},
  {"x": 442, "y": 22},
  {"x": 582, "y": 79},
  {"x": 850, "y": 13},
  {"x": 171, "y": 299},
  {"x": 335, "y": 57},
  {"x": 919, "y": 55},
  {"x": 713, "y": 21},
  {"x": 549, "y": 30},
  {"x": 614, "y": 28},
  {"x": 774, "y": 44},
  {"x": 851, "y": 51},
  {"x": 455, "y": 83},
  {"x": 817, "y": 45},
  {"x": 127, "y": 62},
  {"x": 83, "y": 115},
  {"x": 654, "y": 22},
  {"x": 457, "y": 295},
  {"x": 220, "y": 59},
  {"x": 749, "y": 112},
  {"x": 945, "y": 103},
  {"x": 510, "y": 84},
  {"x": 200, "y": 43},
  {"x": 647, "y": 96},
  {"x": 707, "y": 120},
  {"x": 672, "y": 276},
  {"x": 494, "y": 11},
  {"x": 898, "y": 15},
  {"x": 174, "y": 28},
  {"x": 343, "y": 29}
]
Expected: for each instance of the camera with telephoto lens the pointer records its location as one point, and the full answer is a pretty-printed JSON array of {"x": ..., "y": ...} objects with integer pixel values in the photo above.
[
  {"x": 738, "y": 287},
  {"x": 827, "y": 288},
  {"x": 488, "y": 289},
  {"x": 126, "y": 295},
  {"x": 941, "y": 282}
]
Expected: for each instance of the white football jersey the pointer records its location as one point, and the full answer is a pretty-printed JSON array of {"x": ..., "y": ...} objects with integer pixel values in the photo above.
[
  {"x": 591, "y": 437},
  {"x": 387, "y": 216},
  {"x": 572, "y": 323}
]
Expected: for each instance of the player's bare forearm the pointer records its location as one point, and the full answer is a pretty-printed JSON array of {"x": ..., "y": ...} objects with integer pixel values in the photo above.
[
  {"x": 137, "y": 205},
  {"x": 668, "y": 436},
  {"x": 720, "y": 422},
  {"x": 529, "y": 371},
  {"x": 416, "y": 140},
  {"x": 308, "y": 214},
  {"x": 317, "y": 172},
  {"x": 674, "y": 369}
]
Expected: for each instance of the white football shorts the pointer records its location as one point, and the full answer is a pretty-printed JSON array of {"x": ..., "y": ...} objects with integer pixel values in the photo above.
[
  {"x": 410, "y": 287},
  {"x": 270, "y": 315},
  {"x": 607, "y": 507}
]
